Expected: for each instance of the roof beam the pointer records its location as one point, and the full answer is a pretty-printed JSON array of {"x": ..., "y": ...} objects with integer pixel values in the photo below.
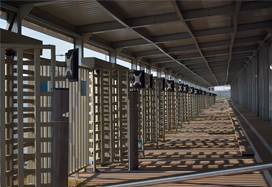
[
  {"x": 132, "y": 23},
  {"x": 207, "y": 12},
  {"x": 242, "y": 55},
  {"x": 249, "y": 39},
  {"x": 206, "y": 54},
  {"x": 221, "y": 65},
  {"x": 235, "y": 24},
  {"x": 156, "y": 39},
  {"x": 197, "y": 34},
  {"x": 109, "y": 9},
  {"x": 162, "y": 18},
  {"x": 32, "y": 3},
  {"x": 178, "y": 10},
  {"x": 48, "y": 21},
  {"x": 201, "y": 45},
  {"x": 226, "y": 9},
  {"x": 168, "y": 50}
]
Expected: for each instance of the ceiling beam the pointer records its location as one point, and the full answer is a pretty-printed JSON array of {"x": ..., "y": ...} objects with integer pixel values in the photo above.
[
  {"x": 32, "y": 3},
  {"x": 189, "y": 30},
  {"x": 197, "y": 34},
  {"x": 109, "y": 9},
  {"x": 169, "y": 17},
  {"x": 226, "y": 9},
  {"x": 132, "y": 23},
  {"x": 206, "y": 54},
  {"x": 51, "y": 22},
  {"x": 48, "y": 21},
  {"x": 187, "y": 48},
  {"x": 156, "y": 39},
  {"x": 168, "y": 50},
  {"x": 235, "y": 24}
]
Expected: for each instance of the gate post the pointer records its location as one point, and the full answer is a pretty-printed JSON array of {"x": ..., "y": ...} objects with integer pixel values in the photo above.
[
  {"x": 133, "y": 130},
  {"x": 60, "y": 138}
]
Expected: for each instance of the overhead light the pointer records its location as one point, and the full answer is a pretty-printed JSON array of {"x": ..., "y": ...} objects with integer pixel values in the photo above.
[{"x": 271, "y": 66}]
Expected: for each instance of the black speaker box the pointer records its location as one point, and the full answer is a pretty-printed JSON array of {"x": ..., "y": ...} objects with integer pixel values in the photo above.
[
  {"x": 71, "y": 65},
  {"x": 139, "y": 79}
]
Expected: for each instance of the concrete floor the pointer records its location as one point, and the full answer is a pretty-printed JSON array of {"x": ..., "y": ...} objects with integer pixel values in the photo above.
[{"x": 207, "y": 142}]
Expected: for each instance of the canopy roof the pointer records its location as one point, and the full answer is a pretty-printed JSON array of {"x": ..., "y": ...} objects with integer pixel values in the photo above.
[{"x": 208, "y": 42}]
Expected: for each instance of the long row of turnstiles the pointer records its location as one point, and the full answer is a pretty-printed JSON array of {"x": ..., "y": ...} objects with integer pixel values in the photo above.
[
  {"x": 98, "y": 113},
  {"x": 163, "y": 105}
]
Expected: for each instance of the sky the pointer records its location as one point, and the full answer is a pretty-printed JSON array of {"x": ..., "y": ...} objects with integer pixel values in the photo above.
[{"x": 62, "y": 47}]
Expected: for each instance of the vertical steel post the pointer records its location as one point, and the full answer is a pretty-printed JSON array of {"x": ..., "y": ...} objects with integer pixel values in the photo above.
[
  {"x": 60, "y": 137},
  {"x": 37, "y": 112},
  {"x": 2, "y": 120},
  {"x": 20, "y": 118},
  {"x": 133, "y": 130}
]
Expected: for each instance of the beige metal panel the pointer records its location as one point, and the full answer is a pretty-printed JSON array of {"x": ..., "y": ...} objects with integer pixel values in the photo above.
[
  {"x": 20, "y": 119},
  {"x": 37, "y": 118},
  {"x": 211, "y": 22},
  {"x": 133, "y": 9},
  {"x": 11, "y": 37},
  {"x": 119, "y": 35},
  {"x": 191, "y": 5},
  {"x": 77, "y": 12},
  {"x": 165, "y": 28},
  {"x": 9, "y": 119},
  {"x": 78, "y": 123}
]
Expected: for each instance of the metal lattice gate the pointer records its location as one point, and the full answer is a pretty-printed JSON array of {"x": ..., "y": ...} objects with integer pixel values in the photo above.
[
  {"x": 26, "y": 112},
  {"x": 108, "y": 119}
]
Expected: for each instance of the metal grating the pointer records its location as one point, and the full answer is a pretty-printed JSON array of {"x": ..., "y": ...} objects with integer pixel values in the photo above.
[
  {"x": 133, "y": 9},
  {"x": 119, "y": 35},
  {"x": 211, "y": 22},
  {"x": 165, "y": 28},
  {"x": 77, "y": 12},
  {"x": 192, "y": 5}
]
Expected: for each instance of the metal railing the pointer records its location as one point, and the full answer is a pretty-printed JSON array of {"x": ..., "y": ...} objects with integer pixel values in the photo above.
[{"x": 198, "y": 175}]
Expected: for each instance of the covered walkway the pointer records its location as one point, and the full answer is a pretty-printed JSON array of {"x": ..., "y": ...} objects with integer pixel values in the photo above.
[
  {"x": 207, "y": 142},
  {"x": 134, "y": 76}
]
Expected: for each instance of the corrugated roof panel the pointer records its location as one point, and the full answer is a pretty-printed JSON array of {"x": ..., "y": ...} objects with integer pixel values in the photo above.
[
  {"x": 255, "y": 16},
  {"x": 146, "y": 47},
  {"x": 213, "y": 38},
  {"x": 165, "y": 28},
  {"x": 157, "y": 56},
  {"x": 136, "y": 8},
  {"x": 77, "y": 12},
  {"x": 177, "y": 43},
  {"x": 119, "y": 35},
  {"x": 191, "y": 5},
  {"x": 246, "y": 44},
  {"x": 211, "y": 22},
  {"x": 187, "y": 52},
  {"x": 214, "y": 48},
  {"x": 258, "y": 32}
]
